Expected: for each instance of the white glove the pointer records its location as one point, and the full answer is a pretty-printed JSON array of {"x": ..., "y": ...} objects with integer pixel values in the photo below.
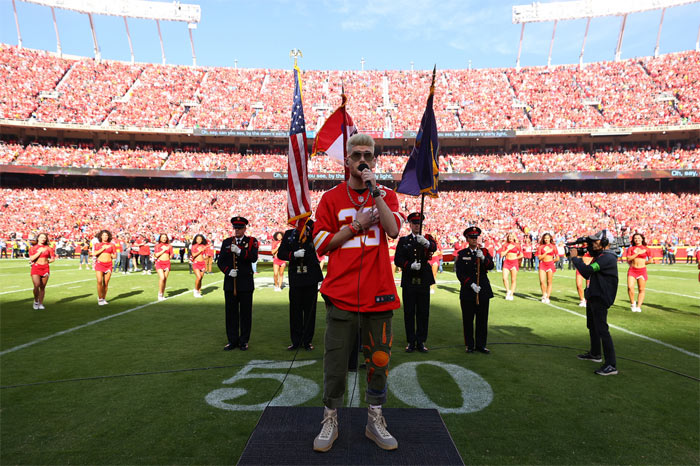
[
  {"x": 299, "y": 253},
  {"x": 415, "y": 265},
  {"x": 235, "y": 249},
  {"x": 420, "y": 239},
  {"x": 476, "y": 288},
  {"x": 233, "y": 273},
  {"x": 480, "y": 254}
]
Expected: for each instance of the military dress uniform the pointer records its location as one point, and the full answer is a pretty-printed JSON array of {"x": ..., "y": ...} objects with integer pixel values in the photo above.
[
  {"x": 466, "y": 265},
  {"x": 415, "y": 286},
  {"x": 304, "y": 272},
  {"x": 238, "y": 290}
]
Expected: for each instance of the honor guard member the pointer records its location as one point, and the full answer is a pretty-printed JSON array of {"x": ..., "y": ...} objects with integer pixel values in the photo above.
[
  {"x": 236, "y": 262},
  {"x": 412, "y": 254},
  {"x": 471, "y": 266},
  {"x": 304, "y": 274}
]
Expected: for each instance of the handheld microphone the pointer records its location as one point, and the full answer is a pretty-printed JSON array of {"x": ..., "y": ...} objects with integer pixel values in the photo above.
[{"x": 362, "y": 167}]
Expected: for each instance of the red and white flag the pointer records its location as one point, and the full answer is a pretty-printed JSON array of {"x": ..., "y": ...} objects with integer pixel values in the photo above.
[
  {"x": 298, "y": 195},
  {"x": 334, "y": 133}
]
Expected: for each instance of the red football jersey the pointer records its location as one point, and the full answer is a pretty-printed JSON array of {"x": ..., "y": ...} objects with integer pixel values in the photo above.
[
  {"x": 144, "y": 248},
  {"x": 363, "y": 260}
]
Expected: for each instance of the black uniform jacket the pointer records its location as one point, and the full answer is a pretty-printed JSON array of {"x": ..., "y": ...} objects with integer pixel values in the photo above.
[
  {"x": 465, "y": 267},
  {"x": 407, "y": 251},
  {"x": 303, "y": 271},
  {"x": 244, "y": 263},
  {"x": 602, "y": 275}
]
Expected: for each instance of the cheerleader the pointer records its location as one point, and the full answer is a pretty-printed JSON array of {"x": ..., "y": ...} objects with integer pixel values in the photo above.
[
  {"x": 103, "y": 251},
  {"x": 162, "y": 252},
  {"x": 278, "y": 265},
  {"x": 435, "y": 264},
  {"x": 198, "y": 258},
  {"x": 580, "y": 281},
  {"x": 512, "y": 254},
  {"x": 392, "y": 254},
  {"x": 547, "y": 255},
  {"x": 637, "y": 256},
  {"x": 40, "y": 256}
]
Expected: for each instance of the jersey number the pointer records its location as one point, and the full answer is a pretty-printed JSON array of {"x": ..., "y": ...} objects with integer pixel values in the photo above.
[{"x": 370, "y": 237}]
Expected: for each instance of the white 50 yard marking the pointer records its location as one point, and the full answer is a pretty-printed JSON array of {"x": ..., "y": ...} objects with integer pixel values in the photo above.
[
  {"x": 296, "y": 390},
  {"x": 476, "y": 392}
]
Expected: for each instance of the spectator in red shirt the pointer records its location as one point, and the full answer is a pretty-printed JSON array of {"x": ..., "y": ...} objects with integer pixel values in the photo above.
[{"x": 145, "y": 253}]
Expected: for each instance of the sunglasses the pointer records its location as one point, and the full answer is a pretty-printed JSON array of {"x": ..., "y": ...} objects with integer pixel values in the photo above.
[
  {"x": 356, "y": 156},
  {"x": 415, "y": 222}
]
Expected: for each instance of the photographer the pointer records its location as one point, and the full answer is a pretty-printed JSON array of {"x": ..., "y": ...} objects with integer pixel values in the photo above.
[{"x": 600, "y": 295}]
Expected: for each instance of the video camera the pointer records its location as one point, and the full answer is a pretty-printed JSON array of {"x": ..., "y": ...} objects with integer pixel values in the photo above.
[
  {"x": 580, "y": 244},
  {"x": 583, "y": 243}
]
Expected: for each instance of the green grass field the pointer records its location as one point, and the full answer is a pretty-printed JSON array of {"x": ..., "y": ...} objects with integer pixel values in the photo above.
[{"x": 146, "y": 382}]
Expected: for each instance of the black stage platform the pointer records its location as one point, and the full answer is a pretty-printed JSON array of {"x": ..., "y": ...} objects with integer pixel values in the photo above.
[{"x": 284, "y": 436}]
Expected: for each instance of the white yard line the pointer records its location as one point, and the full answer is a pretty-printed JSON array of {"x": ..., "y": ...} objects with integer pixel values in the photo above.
[
  {"x": 88, "y": 324},
  {"x": 624, "y": 285},
  {"x": 654, "y": 275},
  {"x": 59, "y": 284},
  {"x": 616, "y": 327},
  {"x": 622, "y": 329}
]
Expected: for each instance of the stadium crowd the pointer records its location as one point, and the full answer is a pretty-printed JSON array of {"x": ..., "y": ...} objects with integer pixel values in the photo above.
[
  {"x": 650, "y": 91},
  {"x": 76, "y": 213},
  {"x": 153, "y": 157}
]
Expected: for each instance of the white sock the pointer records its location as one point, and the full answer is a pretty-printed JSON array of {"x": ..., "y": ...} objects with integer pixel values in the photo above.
[{"x": 375, "y": 406}]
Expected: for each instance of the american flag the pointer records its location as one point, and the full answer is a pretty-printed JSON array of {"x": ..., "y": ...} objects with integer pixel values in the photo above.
[{"x": 298, "y": 195}]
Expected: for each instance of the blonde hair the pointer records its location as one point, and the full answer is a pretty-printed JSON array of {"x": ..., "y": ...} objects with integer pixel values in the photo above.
[{"x": 359, "y": 140}]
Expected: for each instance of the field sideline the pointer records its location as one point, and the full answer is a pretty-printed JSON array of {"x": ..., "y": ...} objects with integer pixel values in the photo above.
[{"x": 146, "y": 382}]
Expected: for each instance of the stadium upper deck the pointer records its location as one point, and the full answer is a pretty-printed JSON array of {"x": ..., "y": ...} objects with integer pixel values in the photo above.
[{"x": 41, "y": 87}]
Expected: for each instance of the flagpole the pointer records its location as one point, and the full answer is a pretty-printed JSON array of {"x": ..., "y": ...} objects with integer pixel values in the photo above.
[{"x": 422, "y": 203}]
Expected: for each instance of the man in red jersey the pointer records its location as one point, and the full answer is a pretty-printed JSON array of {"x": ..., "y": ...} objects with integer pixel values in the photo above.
[{"x": 352, "y": 223}]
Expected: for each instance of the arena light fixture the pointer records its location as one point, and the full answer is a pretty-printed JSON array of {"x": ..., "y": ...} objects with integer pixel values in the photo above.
[
  {"x": 580, "y": 9},
  {"x": 142, "y": 9}
]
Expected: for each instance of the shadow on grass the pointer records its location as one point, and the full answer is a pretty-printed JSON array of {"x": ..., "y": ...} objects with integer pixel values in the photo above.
[
  {"x": 19, "y": 301},
  {"x": 450, "y": 288},
  {"x": 73, "y": 298},
  {"x": 670, "y": 309},
  {"x": 126, "y": 295},
  {"x": 176, "y": 292},
  {"x": 209, "y": 289}
]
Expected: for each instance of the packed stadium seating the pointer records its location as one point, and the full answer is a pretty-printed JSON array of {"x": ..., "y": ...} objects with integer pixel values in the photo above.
[
  {"x": 650, "y": 91},
  {"x": 183, "y": 213},
  {"x": 156, "y": 158}
]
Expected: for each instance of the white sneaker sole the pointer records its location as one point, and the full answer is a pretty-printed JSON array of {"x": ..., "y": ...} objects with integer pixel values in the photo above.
[
  {"x": 379, "y": 442},
  {"x": 326, "y": 447}
]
